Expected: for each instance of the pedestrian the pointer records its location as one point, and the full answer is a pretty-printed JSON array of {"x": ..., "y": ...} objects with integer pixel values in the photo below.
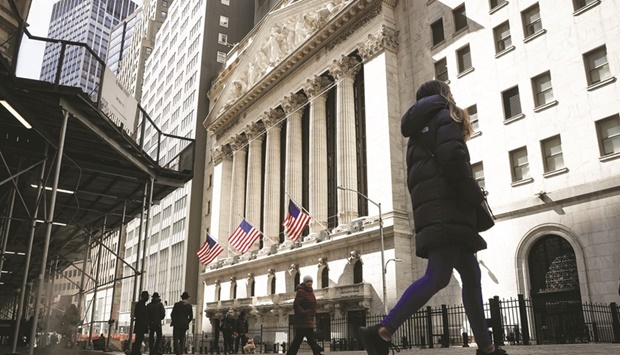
[
  {"x": 157, "y": 313},
  {"x": 443, "y": 195},
  {"x": 241, "y": 328},
  {"x": 69, "y": 323},
  {"x": 141, "y": 323},
  {"x": 228, "y": 328},
  {"x": 181, "y": 315},
  {"x": 305, "y": 310}
]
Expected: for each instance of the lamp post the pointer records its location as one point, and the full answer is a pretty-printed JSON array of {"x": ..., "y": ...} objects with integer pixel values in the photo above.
[
  {"x": 382, "y": 243},
  {"x": 397, "y": 260}
]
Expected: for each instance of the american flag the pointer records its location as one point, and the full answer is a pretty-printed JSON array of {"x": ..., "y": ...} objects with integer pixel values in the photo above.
[
  {"x": 295, "y": 221},
  {"x": 243, "y": 237},
  {"x": 209, "y": 251}
]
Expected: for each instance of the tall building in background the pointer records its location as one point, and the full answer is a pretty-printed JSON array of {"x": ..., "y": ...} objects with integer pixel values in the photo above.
[
  {"x": 121, "y": 39},
  {"x": 187, "y": 52},
  {"x": 85, "y": 21},
  {"x": 10, "y": 35}
]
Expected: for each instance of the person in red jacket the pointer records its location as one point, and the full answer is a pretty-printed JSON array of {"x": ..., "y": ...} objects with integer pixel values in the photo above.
[{"x": 305, "y": 310}]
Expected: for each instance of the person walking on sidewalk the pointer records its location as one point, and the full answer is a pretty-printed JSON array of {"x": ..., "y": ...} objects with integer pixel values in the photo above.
[
  {"x": 156, "y": 313},
  {"x": 305, "y": 310},
  {"x": 444, "y": 196},
  {"x": 181, "y": 315},
  {"x": 241, "y": 328},
  {"x": 141, "y": 323}
]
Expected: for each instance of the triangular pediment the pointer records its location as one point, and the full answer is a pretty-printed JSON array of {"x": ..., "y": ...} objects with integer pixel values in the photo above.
[{"x": 281, "y": 33}]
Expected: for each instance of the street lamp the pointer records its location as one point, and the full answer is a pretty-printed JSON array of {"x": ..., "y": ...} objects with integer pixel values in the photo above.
[
  {"x": 382, "y": 243},
  {"x": 397, "y": 260}
]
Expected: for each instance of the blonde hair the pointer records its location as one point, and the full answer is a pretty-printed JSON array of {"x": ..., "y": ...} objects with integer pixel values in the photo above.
[{"x": 436, "y": 87}]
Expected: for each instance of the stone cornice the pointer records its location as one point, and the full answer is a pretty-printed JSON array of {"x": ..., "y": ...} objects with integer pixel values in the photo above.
[
  {"x": 354, "y": 12},
  {"x": 385, "y": 39}
]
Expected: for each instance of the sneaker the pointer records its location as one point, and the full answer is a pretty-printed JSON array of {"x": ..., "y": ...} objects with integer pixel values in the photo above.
[
  {"x": 373, "y": 343},
  {"x": 498, "y": 351}
]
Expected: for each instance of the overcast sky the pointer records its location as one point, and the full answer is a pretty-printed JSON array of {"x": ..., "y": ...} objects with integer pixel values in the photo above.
[{"x": 31, "y": 53}]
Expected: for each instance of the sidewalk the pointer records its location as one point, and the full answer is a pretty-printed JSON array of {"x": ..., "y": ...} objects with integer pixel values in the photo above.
[{"x": 571, "y": 349}]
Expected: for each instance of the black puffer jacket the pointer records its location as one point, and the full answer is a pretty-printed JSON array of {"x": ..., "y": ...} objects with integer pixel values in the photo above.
[{"x": 443, "y": 191}]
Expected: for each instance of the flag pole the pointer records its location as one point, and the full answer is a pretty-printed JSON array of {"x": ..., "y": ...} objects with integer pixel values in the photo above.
[{"x": 308, "y": 213}]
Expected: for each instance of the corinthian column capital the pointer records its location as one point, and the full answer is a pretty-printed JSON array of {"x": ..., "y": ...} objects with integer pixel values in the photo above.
[
  {"x": 255, "y": 130},
  {"x": 220, "y": 153},
  {"x": 316, "y": 86},
  {"x": 385, "y": 39},
  {"x": 273, "y": 117},
  {"x": 345, "y": 67},
  {"x": 293, "y": 102},
  {"x": 238, "y": 142}
]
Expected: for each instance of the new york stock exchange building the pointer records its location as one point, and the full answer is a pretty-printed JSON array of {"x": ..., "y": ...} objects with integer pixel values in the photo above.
[{"x": 307, "y": 110}]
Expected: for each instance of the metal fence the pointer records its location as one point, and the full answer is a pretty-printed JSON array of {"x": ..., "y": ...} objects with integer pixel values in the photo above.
[{"x": 513, "y": 321}]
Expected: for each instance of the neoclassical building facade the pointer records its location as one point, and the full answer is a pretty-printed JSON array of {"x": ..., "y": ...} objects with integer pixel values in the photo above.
[{"x": 307, "y": 110}]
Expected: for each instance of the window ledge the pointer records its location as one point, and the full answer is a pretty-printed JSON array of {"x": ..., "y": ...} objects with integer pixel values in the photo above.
[
  {"x": 509, "y": 49},
  {"x": 601, "y": 83},
  {"x": 464, "y": 29},
  {"x": 545, "y": 106},
  {"x": 555, "y": 172},
  {"x": 475, "y": 134},
  {"x": 522, "y": 182},
  {"x": 498, "y": 7},
  {"x": 608, "y": 157},
  {"x": 534, "y": 35},
  {"x": 514, "y": 118},
  {"x": 465, "y": 72},
  {"x": 443, "y": 41},
  {"x": 586, "y": 8}
]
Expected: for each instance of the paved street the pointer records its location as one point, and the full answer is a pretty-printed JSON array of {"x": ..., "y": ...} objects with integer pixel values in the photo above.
[{"x": 581, "y": 349}]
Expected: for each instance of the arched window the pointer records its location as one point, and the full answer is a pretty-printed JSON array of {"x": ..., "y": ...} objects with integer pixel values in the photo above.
[
  {"x": 252, "y": 288},
  {"x": 296, "y": 281},
  {"x": 325, "y": 277},
  {"x": 357, "y": 272},
  {"x": 218, "y": 292},
  {"x": 273, "y": 285},
  {"x": 233, "y": 290}
]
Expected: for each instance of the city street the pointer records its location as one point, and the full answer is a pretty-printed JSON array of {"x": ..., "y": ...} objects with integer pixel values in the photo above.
[{"x": 585, "y": 349}]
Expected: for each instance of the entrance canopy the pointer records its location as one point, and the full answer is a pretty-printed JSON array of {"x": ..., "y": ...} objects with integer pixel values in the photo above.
[{"x": 104, "y": 172}]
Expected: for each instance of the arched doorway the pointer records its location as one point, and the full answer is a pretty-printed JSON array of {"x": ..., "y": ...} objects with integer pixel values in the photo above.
[{"x": 555, "y": 292}]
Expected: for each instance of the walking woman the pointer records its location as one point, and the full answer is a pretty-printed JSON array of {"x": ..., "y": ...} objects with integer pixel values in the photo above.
[
  {"x": 305, "y": 311},
  {"x": 443, "y": 195}
]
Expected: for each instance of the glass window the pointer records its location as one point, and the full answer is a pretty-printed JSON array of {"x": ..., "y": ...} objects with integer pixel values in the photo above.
[
  {"x": 164, "y": 3},
  {"x": 226, "y": 2},
  {"x": 221, "y": 57},
  {"x": 582, "y": 3},
  {"x": 163, "y": 14},
  {"x": 512, "y": 102},
  {"x": 437, "y": 29},
  {"x": 473, "y": 117},
  {"x": 552, "y": 154},
  {"x": 597, "y": 66},
  {"x": 520, "y": 165},
  {"x": 531, "y": 20},
  {"x": 223, "y": 21},
  {"x": 543, "y": 91},
  {"x": 609, "y": 135},
  {"x": 222, "y": 39},
  {"x": 441, "y": 70},
  {"x": 464, "y": 57},
  {"x": 477, "y": 171},
  {"x": 502, "y": 37},
  {"x": 495, "y": 3},
  {"x": 460, "y": 18}
]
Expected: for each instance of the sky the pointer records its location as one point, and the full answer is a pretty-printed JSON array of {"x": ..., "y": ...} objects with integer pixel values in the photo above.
[{"x": 31, "y": 52}]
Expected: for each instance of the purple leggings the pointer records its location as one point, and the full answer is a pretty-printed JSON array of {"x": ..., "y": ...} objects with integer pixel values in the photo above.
[{"x": 438, "y": 273}]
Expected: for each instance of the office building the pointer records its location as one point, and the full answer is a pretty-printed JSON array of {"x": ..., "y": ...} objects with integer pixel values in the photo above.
[
  {"x": 188, "y": 50},
  {"x": 309, "y": 110},
  {"x": 84, "y": 21},
  {"x": 121, "y": 40}
]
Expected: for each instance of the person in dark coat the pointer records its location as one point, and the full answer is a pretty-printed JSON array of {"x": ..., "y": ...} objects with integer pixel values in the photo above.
[
  {"x": 305, "y": 311},
  {"x": 69, "y": 323},
  {"x": 157, "y": 313},
  {"x": 444, "y": 196},
  {"x": 141, "y": 323},
  {"x": 241, "y": 328},
  {"x": 181, "y": 315},
  {"x": 228, "y": 328}
]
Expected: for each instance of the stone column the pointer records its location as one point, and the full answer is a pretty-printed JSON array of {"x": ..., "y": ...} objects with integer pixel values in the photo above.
[
  {"x": 315, "y": 89},
  {"x": 256, "y": 134},
  {"x": 271, "y": 207},
  {"x": 344, "y": 70},
  {"x": 237, "y": 191},
  {"x": 293, "y": 177},
  {"x": 222, "y": 174}
]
